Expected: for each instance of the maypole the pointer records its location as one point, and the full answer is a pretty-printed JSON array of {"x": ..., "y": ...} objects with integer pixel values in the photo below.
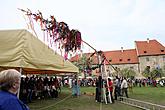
[
  {"x": 109, "y": 93},
  {"x": 103, "y": 72}
]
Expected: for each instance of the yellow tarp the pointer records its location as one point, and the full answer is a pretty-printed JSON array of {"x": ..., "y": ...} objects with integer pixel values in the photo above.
[{"x": 19, "y": 48}]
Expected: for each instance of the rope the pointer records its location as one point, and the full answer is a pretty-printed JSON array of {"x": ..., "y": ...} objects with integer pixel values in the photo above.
[
  {"x": 32, "y": 25},
  {"x": 55, "y": 103},
  {"x": 25, "y": 21}
]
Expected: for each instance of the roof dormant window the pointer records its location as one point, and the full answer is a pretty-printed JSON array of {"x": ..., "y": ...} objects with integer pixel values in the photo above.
[
  {"x": 120, "y": 59},
  {"x": 129, "y": 59},
  {"x": 162, "y": 50},
  {"x": 145, "y": 51}
]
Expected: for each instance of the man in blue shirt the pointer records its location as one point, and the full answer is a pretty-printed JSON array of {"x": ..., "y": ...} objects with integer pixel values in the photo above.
[{"x": 9, "y": 86}]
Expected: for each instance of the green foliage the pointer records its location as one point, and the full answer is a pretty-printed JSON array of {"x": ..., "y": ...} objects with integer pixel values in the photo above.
[
  {"x": 81, "y": 63},
  {"x": 129, "y": 73},
  {"x": 154, "y": 73},
  {"x": 146, "y": 72}
]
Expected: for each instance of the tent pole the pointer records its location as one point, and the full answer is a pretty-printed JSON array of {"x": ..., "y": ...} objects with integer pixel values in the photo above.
[{"x": 18, "y": 93}]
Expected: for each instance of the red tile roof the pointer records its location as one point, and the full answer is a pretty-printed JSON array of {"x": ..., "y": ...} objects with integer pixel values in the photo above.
[
  {"x": 150, "y": 47},
  {"x": 115, "y": 57},
  {"x": 77, "y": 57},
  {"x": 122, "y": 57}
]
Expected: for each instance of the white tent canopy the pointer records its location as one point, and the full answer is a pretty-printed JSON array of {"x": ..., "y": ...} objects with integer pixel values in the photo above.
[{"x": 20, "y": 49}]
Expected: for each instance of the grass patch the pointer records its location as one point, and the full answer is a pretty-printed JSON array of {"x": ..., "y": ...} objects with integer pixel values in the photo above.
[
  {"x": 86, "y": 102},
  {"x": 150, "y": 94}
]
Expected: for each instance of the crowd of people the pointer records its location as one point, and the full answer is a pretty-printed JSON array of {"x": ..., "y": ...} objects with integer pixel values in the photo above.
[
  {"x": 114, "y": 88},
  {"x": 39, "y": 87},
  {"x": 145, "y": 82},
  {"x": 119, "y": 87},
  {"x": 45, "y": 87}
]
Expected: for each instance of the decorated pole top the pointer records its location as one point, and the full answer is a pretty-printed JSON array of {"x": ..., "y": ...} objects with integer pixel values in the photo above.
[{"x": 58, "y": 33}]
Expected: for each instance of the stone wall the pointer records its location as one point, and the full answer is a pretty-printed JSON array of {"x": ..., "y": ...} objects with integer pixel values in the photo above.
[
  {"x": 135, "y": 67},
  {"x": 152, "y": 61}
]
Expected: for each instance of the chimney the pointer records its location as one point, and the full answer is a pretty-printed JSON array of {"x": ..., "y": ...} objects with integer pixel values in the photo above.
[
  {"x": 122, "y": 49},
  {"x": 148, "y": 40}
]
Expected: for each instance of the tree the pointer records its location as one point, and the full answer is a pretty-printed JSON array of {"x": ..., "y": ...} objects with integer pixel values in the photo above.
[
  {"x": 84, "y": 64},
  {"x": 129, "y": 73},
  {"x": 146, "y": 72},
  {"x": 154, "y": 73},
  {"x": 81, "y": 63}
]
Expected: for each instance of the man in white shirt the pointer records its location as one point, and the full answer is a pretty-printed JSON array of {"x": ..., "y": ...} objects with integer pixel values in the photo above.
[{"x": 124, "y": 86}]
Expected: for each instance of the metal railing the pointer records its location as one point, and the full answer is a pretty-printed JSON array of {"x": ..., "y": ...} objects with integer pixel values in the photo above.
[{"x": 142, "y": 104}]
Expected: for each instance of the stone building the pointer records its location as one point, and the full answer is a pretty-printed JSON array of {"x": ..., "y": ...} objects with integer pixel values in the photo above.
[{"x": 148, "y": 53}]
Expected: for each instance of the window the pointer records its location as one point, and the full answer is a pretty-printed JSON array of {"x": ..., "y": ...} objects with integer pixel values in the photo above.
[
  {"x": 147, "y": 59},
  {"x": 163, "y": 58},
  {"x": 162, "y": 50},
  {"x": 131, "y": 67}
]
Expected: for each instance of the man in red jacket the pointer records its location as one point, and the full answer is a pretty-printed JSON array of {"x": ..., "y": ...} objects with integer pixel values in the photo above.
[{"x": 110, "y": 87}]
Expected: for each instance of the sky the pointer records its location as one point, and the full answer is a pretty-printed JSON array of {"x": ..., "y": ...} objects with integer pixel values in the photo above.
[{"x": 105, "y": 24}]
